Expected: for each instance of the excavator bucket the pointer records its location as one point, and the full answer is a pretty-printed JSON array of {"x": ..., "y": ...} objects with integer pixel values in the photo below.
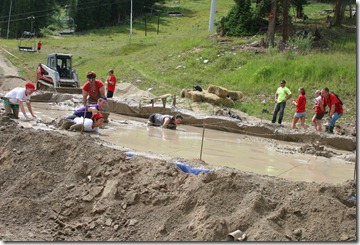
[{"x": 68, "y": 90}]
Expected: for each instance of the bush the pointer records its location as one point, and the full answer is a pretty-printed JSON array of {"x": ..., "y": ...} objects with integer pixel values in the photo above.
[{"x": 239, "y": 21}]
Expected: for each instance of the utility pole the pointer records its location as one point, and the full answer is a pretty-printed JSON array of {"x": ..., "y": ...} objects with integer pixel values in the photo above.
[
  {"x": 8, "y": 27},
  {"x": 131, "y": 10},
  {"x": 212, "y": 15}
]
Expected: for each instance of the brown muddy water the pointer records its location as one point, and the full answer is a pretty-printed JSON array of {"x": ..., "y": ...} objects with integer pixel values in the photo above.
[{"x": 246, "y": 153}]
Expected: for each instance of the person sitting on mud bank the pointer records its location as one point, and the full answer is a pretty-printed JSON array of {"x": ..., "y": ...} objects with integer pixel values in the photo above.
[
  {"x": 88, "y": 110},
  {"x": 164, "y": 121},
  {"x": 86, "y": 124},
  {"x": 14, "y": 99}
]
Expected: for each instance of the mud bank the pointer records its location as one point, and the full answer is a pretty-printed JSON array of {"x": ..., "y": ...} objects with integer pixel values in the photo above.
[
  {"x": 75, "y": 187},
  {"x": 138, "y": 108}
]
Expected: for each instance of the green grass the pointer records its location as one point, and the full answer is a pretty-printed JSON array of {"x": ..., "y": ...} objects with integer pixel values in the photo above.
[{"x": 174, "y": 58}]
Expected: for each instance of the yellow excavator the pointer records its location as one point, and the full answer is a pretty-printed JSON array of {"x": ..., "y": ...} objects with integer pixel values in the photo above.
[{"x": 58, "y": 75}]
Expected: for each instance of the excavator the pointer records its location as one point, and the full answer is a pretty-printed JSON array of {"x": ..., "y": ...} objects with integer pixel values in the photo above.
[{"x": 58, "y": 75}]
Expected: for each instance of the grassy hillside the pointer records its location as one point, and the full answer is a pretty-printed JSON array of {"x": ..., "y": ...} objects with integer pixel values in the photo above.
[{"x": 174, "y": 58}]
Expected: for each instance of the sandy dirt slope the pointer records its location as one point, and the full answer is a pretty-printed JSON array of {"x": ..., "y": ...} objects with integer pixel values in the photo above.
[{"x": 75, "y": 187}]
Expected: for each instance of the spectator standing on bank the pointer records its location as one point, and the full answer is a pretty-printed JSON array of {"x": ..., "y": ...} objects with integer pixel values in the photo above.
[
  {"x": 319, "y": 111},
  {"x": 111, "y": 83},
  {"x": 335, "y": 108},
  {"x": 281, "y": 96},
  {"x": 300, "y": 113}
]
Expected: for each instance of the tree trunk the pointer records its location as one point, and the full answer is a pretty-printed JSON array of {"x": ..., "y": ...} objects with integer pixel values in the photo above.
[
  {"x": 272, "y": 23},
  {"x": 339, "y": 12},
  {"x": 285, "y": 24}
]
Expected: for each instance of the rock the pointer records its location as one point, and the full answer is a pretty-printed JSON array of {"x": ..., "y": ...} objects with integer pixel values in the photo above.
[
  {"x": 133, "y": 222},
  {"x": 116, "y": 227},
  {"x": 297, "y": 232},
  {"x": 110, "y": 190},
  {"x": 108, "y": 222}
]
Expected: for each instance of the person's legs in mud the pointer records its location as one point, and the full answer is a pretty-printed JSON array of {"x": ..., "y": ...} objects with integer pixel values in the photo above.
[
  {"x": 319, "y": 125},
  {"x": 295, "y": 120},
  {"x": 276, "y": 111},
  {"x": 282, "y": 109},
  {"x": 332, "y": 121},
  {"x": 15, "y": 109},
  {"x": 302, "y": 121},
  {"x": 314, "y": 122}
]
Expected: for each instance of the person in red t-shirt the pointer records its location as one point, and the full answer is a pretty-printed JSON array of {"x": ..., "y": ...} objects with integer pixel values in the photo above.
[
  {"x": 93, "y": 89},
  {"x": 335, "y": 108},
  {"x": 300, "y": 113},
  {"x": 111, "y": 83},
  {"x": 319, "y": 111}
]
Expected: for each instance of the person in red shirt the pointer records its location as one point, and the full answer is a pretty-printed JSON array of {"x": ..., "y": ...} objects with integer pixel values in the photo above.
[
  {"x": 319, "y": 111},
  {"x": 335, "y": 108},
  {"x": 300, "y": 113},
  {"x": 39, "y": 46},
  {"x": 111, "y": 83},
  {"x": 93, "y": 89}
]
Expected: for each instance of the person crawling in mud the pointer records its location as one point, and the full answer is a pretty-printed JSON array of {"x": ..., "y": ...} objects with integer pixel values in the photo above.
[
  {"x": 87, "y": 124},
  {"x": 164, "y": 121},
  {"x": 13, "y": 101},
  {"x": 89, "y": 111}
]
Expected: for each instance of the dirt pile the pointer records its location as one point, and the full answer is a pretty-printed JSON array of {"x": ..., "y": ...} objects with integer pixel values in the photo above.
[{"x": 75, "y": 187}]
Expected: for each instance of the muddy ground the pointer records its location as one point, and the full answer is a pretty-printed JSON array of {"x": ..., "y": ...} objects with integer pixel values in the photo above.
[
  {"x": 77, "y": 188},
  {"x": 57, "y": 186}
]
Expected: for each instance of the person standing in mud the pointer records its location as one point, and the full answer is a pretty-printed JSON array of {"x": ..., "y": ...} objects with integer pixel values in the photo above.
[
  {"x": 281, "y": 96},
  {"x": 319, "y": 111},
  {"x": 111, "y": 83},
  {"x": 93, "y": 89},
  {"x": 300, "y": 113},
  {"x": 335, "y": 108},
  {"x": 164, "y": 121},
  {"x": 14, "y": 100}
]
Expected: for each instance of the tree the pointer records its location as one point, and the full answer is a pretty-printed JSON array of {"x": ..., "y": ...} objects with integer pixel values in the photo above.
[
  {"x": 272, "y": 23},
  {"x": 285, "y": 24},
  {"x": 299, "y": 6},
  {"x": 339, "y": 12},
  {"x": 239, "y": 21}
]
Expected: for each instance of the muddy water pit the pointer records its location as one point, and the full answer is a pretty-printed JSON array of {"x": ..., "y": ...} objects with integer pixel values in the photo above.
[{"x": 247, "y": 153}]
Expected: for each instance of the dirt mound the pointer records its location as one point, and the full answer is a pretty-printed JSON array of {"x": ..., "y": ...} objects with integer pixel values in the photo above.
[
  {"x": 7, "y": 83},
  {"x": 76, "y": 187},
  {"x": 129, "y": 91}
]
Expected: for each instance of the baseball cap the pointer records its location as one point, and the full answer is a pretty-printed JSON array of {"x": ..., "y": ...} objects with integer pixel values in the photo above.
[
  {"x": 30, "y": 85},
  {"x": 97, "y": 116}
]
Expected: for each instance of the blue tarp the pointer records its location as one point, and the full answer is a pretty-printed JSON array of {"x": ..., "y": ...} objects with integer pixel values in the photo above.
[{"x": 187, "y": 169}]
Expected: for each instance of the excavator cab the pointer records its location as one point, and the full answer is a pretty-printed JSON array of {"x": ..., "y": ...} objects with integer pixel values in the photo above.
[{"x": 58, "y": 74}]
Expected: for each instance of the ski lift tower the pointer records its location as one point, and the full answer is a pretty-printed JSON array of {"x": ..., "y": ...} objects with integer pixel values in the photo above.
[{"x": 27, "y": 41}]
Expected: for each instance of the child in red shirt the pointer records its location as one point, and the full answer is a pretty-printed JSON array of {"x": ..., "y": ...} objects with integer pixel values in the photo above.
[
  {"x": 319, "y": 111},
  {"x": 111, "y": 83},
  {"x": 300, "y": 113},
  {"x": 93, "y": 89}
]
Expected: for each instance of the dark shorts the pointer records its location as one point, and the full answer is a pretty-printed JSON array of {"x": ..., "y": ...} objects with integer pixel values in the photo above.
[
  {"x": 319, "y": 116},
  {"x": 152, "y": 118},
  {"x": 110, "y": 94}
]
